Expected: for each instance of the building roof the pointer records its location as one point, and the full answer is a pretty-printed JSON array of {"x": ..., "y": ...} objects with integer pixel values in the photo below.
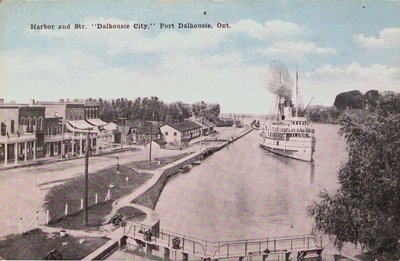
[
  {"x": 160, "y": 142},
  {"x": 143, "y": 127},
  {"x": 147, "y": 129},
  {"x": 208, "y": 123},
  {"x": 22, "y": 106},
  {"x": 111, "y": 126},
  {"x": 96, "y": 122},
  {"x": 184, "y": 126}
]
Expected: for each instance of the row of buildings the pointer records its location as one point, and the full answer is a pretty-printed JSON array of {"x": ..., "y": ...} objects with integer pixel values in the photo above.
[{"x": 49, "y": 129}]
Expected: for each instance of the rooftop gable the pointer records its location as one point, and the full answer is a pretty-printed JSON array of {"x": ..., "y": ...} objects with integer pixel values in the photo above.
[{"x": 184, "y": 126}]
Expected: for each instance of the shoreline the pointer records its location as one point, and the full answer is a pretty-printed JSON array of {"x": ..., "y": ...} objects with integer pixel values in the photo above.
[{"x": 145, "y": 198}]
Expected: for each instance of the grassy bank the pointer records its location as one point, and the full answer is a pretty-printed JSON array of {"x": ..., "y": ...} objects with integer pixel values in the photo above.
[
  {"x": 36, "y": 244},
  {"x": 145, "y": 164},
  {"x": 97, "y": 214},
  {"x": 72, "y": 191}
]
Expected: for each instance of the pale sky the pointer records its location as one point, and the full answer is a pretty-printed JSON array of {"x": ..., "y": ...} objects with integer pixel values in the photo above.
[{"x": 337, "y": 46}]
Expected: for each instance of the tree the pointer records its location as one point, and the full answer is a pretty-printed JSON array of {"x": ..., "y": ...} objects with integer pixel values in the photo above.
[
  {"x": 366, "y": 208},
  {"x": 137, "y": 109},
  {"x": 210, "y": 111},
  {"x": 349, "y": 100},
  {"x": 174, "y": 113},
  {"x": 371, "y": 98}
]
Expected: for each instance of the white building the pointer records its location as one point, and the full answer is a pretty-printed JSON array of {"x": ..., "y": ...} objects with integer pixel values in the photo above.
[{"x": 179, "y": 132}]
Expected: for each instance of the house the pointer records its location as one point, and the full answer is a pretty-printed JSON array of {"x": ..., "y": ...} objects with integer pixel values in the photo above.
[
  {"x": 143, "y": 131},
  {"x": 128, "y": 135},
  {"x": 180, "y": 132},
  {"x": 210, "y": 127},
  {"x": 207, "y": 127}
]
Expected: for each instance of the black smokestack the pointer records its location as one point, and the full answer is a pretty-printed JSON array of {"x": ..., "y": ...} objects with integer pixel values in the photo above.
[{"x": 279, "y": 81}]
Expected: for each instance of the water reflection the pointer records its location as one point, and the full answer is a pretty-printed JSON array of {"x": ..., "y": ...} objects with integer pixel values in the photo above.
[{"x": 246, "y": 192}]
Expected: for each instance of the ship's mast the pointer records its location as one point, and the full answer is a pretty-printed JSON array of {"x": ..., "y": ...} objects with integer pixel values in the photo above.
[{"x": 297, "y": 94}]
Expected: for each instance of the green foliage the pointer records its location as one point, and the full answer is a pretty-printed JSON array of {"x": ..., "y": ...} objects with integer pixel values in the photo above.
[
  {"x": 371, "y": 99},
  {"x": 366, "y": 208},
  {"x": 356, "y": 100},
  {"x": 210, "y": 111},
  {"x": 133, "y": 109},
  {"x": 349, "y": 100},
  {"x": 323, "y": 114},
  {"x": 178, "y": 111},
  {"x": 143, "y": 108}
]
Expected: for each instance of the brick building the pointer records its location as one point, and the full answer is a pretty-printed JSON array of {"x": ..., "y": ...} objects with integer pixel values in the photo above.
[{"x": 21, "y": 132}]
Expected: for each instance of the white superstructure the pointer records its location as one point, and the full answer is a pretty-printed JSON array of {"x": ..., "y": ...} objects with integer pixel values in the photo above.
[{"x": 288, "y": 135}]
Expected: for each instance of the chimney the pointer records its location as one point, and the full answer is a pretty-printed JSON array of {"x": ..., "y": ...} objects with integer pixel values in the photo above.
[
  {"x": 31, "y": 102},
  {"x": 1, "y": 101}
]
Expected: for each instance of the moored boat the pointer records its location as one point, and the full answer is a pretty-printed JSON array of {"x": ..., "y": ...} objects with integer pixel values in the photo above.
[
  {"x": 185, "y": 168},
  {"x": 198, "y": 162}
]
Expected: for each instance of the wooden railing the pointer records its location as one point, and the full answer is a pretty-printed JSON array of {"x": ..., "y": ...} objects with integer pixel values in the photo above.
[{"x": 222, "y": 249}]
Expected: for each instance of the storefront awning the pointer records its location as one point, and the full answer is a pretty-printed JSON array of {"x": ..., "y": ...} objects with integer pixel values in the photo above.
[
  {"x": 79, "y": 125},
  {"x": 96, "y": 122}
]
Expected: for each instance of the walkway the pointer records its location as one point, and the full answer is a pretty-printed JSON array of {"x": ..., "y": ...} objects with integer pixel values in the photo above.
[
  {"x": 55, "y": 159},
  {"x": 302, "y": 245}
]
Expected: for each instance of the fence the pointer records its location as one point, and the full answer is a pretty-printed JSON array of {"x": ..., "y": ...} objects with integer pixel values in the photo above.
[{"x": 43, "y": 217}]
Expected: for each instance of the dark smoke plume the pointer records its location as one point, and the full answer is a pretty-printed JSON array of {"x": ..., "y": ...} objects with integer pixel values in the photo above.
[{"x": 279, "y": 81}]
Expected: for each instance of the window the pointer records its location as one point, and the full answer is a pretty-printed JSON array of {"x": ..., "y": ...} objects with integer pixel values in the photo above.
[
  {"x": 3, "y": 129},
  {"x": 23, "y": 122},
  {"x": 166, "y": 133},
  {"x": 40, "y": 123},
  {"x": 34, "y": 121},
  {"x": 29, "y": 123},
  {"x": 175, "y": 133},
  {"x": 12, "y": 126}
]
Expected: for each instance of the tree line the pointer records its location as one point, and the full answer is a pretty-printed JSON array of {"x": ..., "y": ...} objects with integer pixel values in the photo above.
[
  {"x": 152, "y": 108},
  {"x": 352, "y": 102}
]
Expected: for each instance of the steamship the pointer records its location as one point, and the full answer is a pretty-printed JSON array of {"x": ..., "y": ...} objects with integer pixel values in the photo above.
[{"x": 288, "y": 134}]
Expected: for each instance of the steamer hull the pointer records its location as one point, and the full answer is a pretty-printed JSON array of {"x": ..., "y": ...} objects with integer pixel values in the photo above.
[{"x": 301, "y": 150}]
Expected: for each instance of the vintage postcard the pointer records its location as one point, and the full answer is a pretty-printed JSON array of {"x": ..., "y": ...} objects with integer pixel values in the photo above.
[{"x": 200, "y": 130}]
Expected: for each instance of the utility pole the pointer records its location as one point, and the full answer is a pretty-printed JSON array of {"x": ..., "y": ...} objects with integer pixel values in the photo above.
[
  {"x": 62, "y": 138},
  {"x": 201, "y": 124},
  {"x": 151, "y": 138},
  {"x": 86, "y": 198}
]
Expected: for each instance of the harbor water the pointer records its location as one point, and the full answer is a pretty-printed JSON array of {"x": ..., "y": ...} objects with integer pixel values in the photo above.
[{"x": 244, "y": 191}]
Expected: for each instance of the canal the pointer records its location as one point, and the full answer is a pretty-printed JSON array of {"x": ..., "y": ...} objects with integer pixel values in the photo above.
[{"x": 243, "y": 191}]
